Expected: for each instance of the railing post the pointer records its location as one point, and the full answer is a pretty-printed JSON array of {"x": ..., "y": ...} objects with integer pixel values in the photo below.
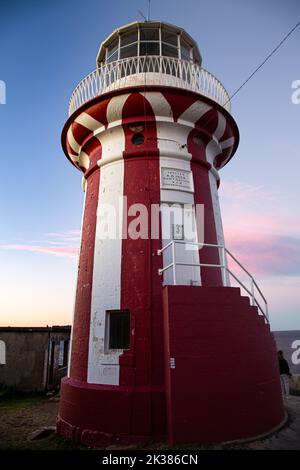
[
  {"x": 174, "y": 263},
  {"x": 252, "y": 291},
  {"x": 224, "y": 266},
  {"x": 267, "y": 312}
]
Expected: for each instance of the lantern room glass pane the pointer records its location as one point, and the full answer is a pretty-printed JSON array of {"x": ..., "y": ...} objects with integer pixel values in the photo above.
[
  {"x": 128, "y": 51},
  {"x": 149, "y": 48},
  {"x": 185, "y": 53},
  {"x": 185, "y": 50},
  {"x": 149, "y": 34},
  {"x": 113, "y": 57},
  {"x": 169, "y": 51},
  {"x": 170, "y": 38},
  {"x": 112, "y": 47},
  {"x": 128, "y": 38}
]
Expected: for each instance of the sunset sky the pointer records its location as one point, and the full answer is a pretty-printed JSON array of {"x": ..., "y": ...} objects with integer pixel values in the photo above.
[{"x": 47, "y": 47}]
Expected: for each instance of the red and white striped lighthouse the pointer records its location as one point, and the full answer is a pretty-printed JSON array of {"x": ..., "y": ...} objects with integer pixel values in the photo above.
[{"x": 162, "y": 346}]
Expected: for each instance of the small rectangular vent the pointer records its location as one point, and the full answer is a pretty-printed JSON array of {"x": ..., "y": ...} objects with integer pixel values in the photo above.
[{"x": 172, "y": 362}]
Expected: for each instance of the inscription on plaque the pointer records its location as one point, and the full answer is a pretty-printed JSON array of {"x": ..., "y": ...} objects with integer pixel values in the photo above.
[{"x": 177, "y": 179}]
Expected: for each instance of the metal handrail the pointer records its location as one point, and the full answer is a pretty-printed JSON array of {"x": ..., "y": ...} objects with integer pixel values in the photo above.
[
  {"x": 169, "y": 71},
  {"x": 254, "y": 284},
  {"x": 250, "y": 291}
]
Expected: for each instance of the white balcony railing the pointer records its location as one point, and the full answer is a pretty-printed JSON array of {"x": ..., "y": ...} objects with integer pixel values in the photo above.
[
  {"x": 151, "y": 70},
  {"x": 253, "y": 291}
]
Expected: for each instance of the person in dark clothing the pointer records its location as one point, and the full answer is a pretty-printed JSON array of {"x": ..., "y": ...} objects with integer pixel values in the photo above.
[{"x": 284, "y": 375}]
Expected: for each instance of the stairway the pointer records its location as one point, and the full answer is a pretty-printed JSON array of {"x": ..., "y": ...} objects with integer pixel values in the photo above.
[{"x": 222, "y": 377}]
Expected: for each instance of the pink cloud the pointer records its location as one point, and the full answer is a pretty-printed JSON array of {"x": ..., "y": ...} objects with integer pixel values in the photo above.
[
  {"x": 64, "y": 244},
  {"x": 265, "y": 254},
  {"x": 65, "y": 236},
  {"x": 237, "y": 190},
  {"x": 244, "y": 220},
  {"x": 260, "y": 228},
  {"x": 68, "y": 251}
]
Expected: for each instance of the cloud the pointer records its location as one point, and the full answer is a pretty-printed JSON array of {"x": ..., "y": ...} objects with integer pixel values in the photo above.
[
  {"x": 260, "y": 229},
  {"x": 237, "y": 190},
  {"x": 64, "y": 244},
  {"x": 67, "y": 251},
  {"x": 266, "y": 254},
  {"x": 64, "y": 233},
  {"x": 64, "y": 236}
]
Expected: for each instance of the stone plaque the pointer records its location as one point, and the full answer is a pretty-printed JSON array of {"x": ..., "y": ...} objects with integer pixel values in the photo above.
[{"x": 172, "y": 178}]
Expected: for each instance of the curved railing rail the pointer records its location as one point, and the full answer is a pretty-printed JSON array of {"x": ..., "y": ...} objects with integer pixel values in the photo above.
[
  {"x": 254, "y": 292},
  {"x": 157, "y": 70}
]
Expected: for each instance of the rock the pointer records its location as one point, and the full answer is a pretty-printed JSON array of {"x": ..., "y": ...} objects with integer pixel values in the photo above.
[
  {"x": 41, "y": 433},
  {"x": 55, "y": 398}
]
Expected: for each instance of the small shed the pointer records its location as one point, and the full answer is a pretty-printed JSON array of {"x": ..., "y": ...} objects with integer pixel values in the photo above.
[{"x": 33, "y": 358}]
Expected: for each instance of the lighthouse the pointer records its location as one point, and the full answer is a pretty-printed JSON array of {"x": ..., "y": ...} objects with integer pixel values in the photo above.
[{"x": 169, "y": 342}]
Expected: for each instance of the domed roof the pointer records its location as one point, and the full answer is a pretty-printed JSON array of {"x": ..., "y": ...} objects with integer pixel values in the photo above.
[{"x": 158, "y": 37}]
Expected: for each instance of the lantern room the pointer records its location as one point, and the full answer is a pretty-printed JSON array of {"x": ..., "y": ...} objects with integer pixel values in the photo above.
[{"x": 149, "y": 38}]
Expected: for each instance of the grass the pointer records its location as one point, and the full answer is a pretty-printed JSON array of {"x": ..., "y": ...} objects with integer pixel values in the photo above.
[
  {"x": 14, "y": 401},
  {"x": 20, "y": 415}
]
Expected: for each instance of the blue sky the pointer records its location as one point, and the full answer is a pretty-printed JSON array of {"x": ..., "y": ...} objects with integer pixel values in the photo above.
[{"x": 47, "y": 47}]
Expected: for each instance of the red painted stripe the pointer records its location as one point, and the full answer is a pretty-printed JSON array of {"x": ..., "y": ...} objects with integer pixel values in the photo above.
[
  {"x": 141, "y": 287},
  {"x": 179, "y": 103},
  {"x": 138, "y": 118},
  {"x": 223, "y": 157},
  {"x": 208, "y": 122},
  {"x": 228, "y": 132},
  {"x": 81, "y": 326},
  {"x": 93, "y": 149},
  {"x": 99, "y": 112},
  {"x": 70, "y": 149},
  {"x": 202, "y": 195},
  {"x": 197, "y": 143},
  {"x": 140, "y": 186},
  {"x": 80, "y": 132}
]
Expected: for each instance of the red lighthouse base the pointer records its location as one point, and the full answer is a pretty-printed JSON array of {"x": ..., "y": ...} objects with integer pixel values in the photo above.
[{"x": 221, "y": 379}]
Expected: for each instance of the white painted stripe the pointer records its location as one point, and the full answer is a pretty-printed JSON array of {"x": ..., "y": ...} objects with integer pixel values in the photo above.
[
  {"x": 214, "y": 147},
  {"x": 72, "y": 155},
  {"x": 88, "y": 121},
  {"x": 217, "y": 219},
  {"x": 173, "y": 137},
  {"x": 112, "y": 143},
  {"x": 159, "y": 104},
  {"x": 103, "y": 364},
  {"x": 221, "y": 126},
  {"x": 114, "y": 124},
  {"x": 194, "y": 112},
  {"x": 84, "y": 160},
  {"x": 212, "y": 150},
  {"x": 167, "y": 195},
  {"x": 227, "y": 143},
  {"x": 72, "y": 142},
  {"x": 115, "y": 108}
]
